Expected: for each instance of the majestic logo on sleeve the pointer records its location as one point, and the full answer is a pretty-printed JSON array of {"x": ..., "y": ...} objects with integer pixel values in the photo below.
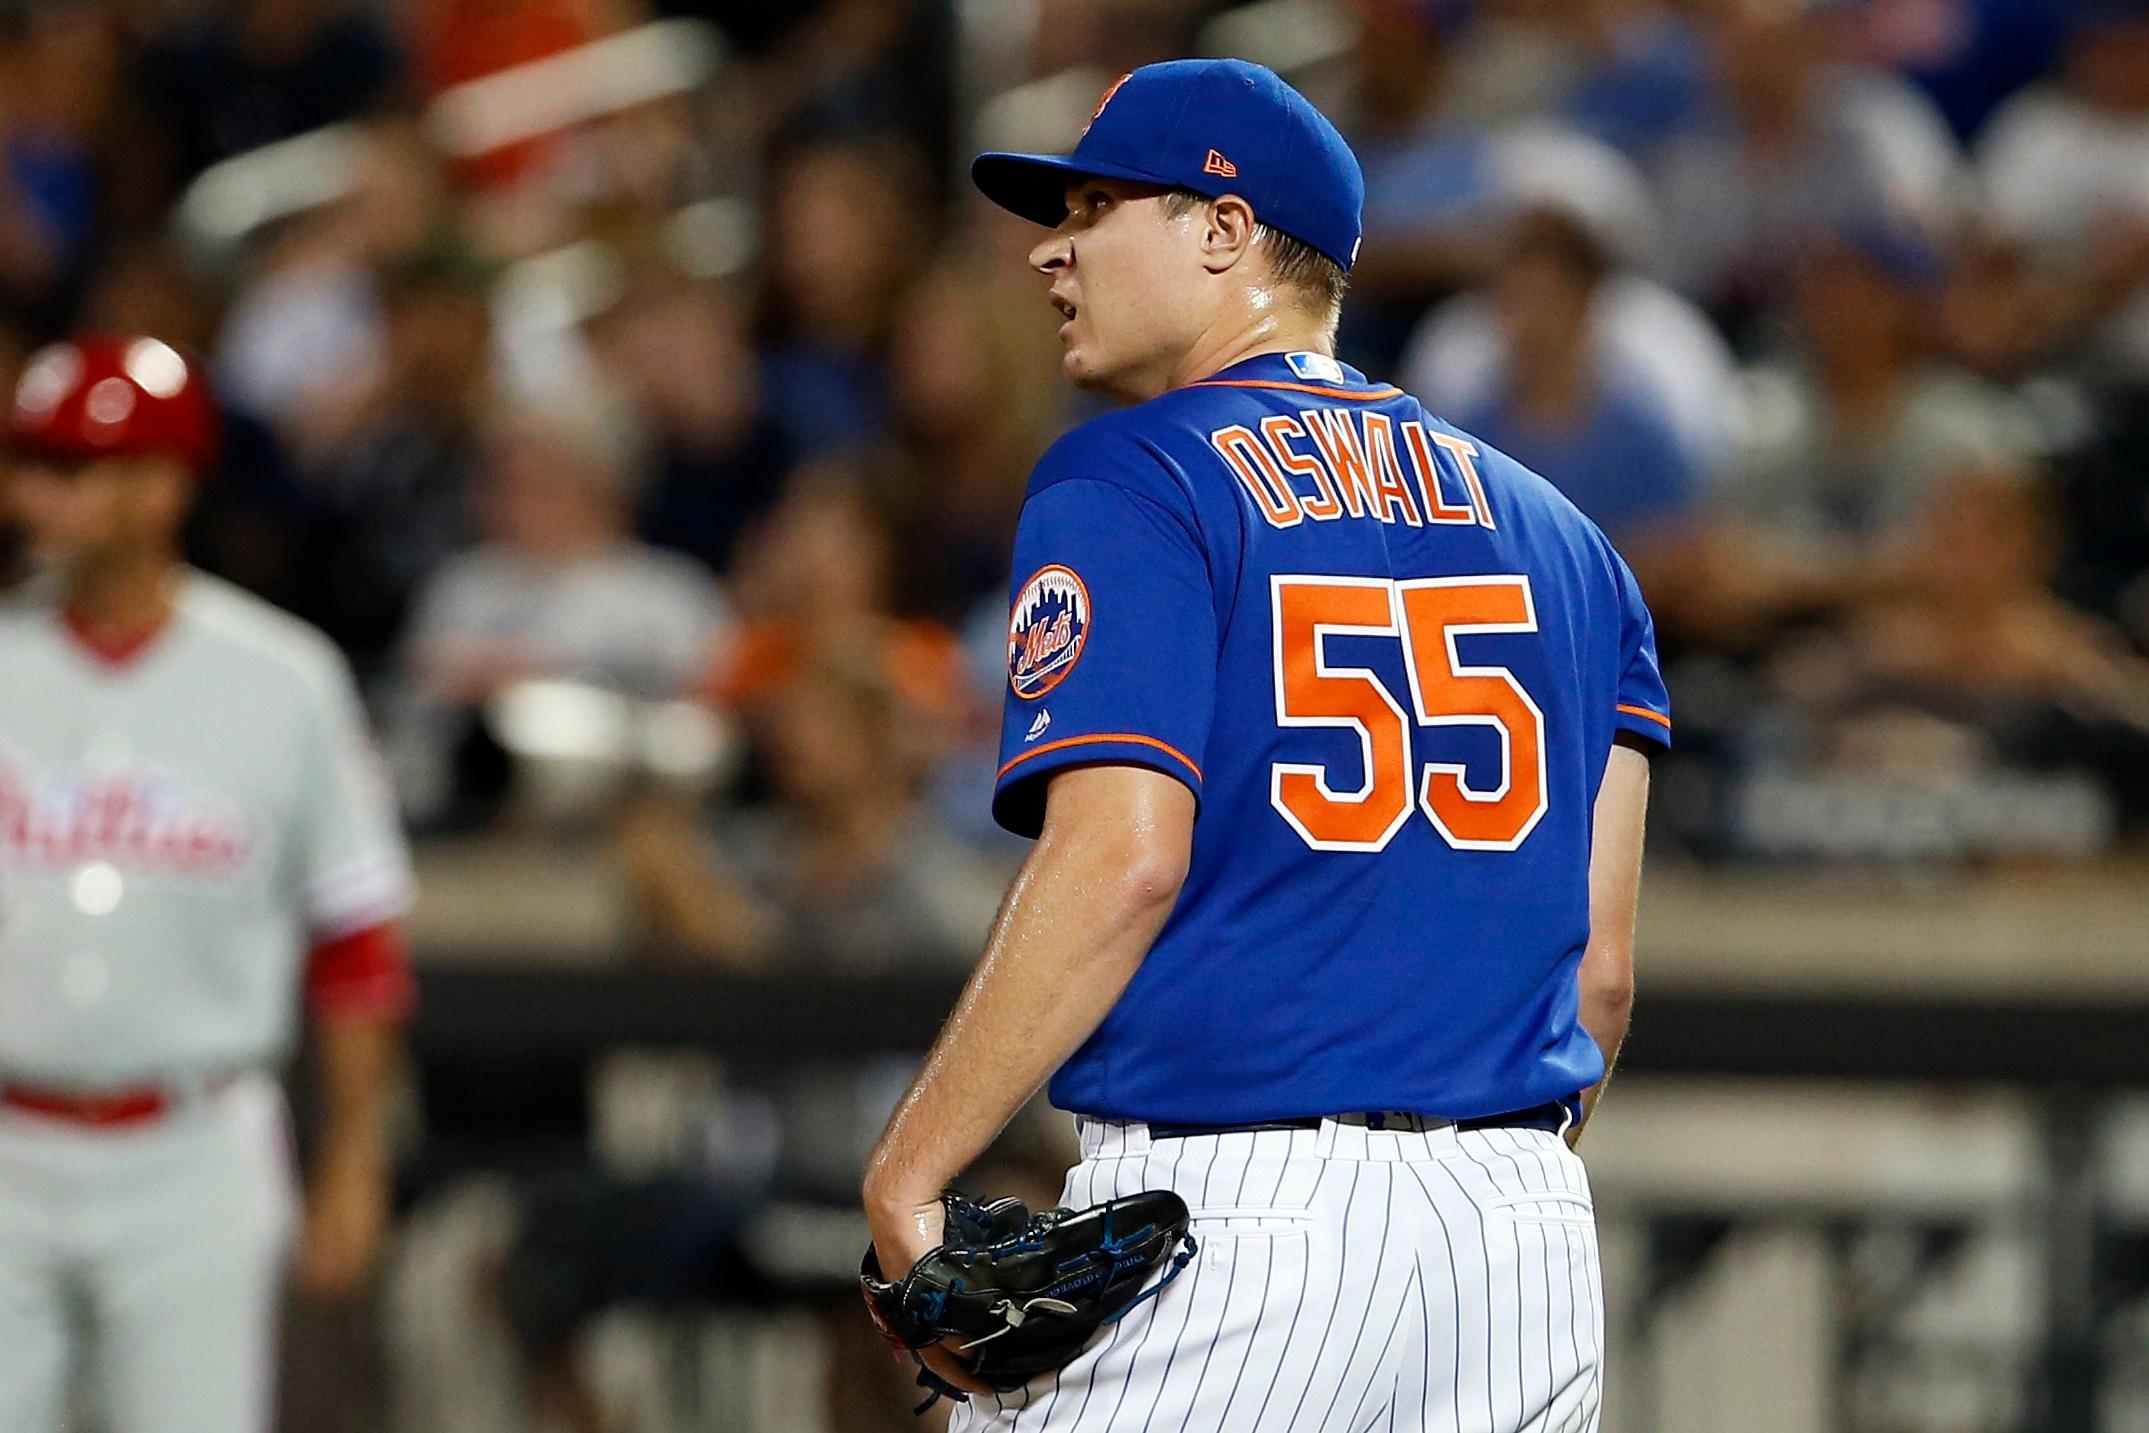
[
  {"x": 138, "y": 819},
  {"x": 1047, "y": 631}
]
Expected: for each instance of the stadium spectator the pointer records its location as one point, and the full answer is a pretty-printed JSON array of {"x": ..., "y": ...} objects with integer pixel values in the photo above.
[
  {"x": 1426, "y": 166},
  {"x": 975, "y": 390},
  {"x": 680, "y": 352},
  {"x": 1978, "y": 617},
  {"x": 816, "y": 585},
  {"x": 858, "y": 66},
  {"x": 1582, "y": 207},
  {"x": 1106, "y": 38},
  {"x": 57, "y": 98},
  {"x": 1627, "y": 72},
  {"x": 1637, "y": 75},
  {"x": 1601, "y": 438},
  {"x": 306, "y": 316},
  {"x": 145, "y": 285},
  {"x": 1866, "y": 552},
  {"x": 557, "y": 589},
  {"x": 1968, "y": 55},
  {"x": 227, "y": 78},
  {"x": 1972, "y": 664},
  {"x": 844, "y": 865},
  {"x": 1856, "y": 432},
  {"x": 842, "y": 230},
  {"x": 2063, "y": 165},
  {"x": 1991, "y": 315},
  {"x": 1439, "y": 135},
  {"x": 386, "y": 471},
  {"x": 1790, "y": 144}
]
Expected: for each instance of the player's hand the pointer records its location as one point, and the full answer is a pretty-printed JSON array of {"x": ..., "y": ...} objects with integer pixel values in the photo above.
[
  {"x": 346, "y": 1220},
  {"x": 903, "y": 1232}
]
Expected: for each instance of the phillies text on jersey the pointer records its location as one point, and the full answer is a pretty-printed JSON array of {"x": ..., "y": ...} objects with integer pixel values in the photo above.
[{"x": 176, "y": 828}]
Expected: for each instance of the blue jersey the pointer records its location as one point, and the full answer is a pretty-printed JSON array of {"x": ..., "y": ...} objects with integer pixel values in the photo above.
[{"x": 1390, "y": 663}]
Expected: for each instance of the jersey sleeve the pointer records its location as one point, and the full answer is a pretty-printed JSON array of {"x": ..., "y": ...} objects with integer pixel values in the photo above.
[
  {"x": 1644, "y": 706},
  {"x": 354, "y": 867},
  {"x": 1112, "y": 636},
  {"x": 363, "y": 975}
]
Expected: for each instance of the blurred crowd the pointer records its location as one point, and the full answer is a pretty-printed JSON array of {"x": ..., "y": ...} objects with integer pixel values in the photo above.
[
  {"x": 638, "y": 392},
  {"x": 694, "y": 378},
  {"x": 1830, "y": 314}
]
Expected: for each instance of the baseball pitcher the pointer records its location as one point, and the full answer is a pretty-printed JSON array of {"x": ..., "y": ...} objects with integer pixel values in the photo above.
[
  {"x": 1332, "y": 725},
  {"x": 191, "y": 828}
]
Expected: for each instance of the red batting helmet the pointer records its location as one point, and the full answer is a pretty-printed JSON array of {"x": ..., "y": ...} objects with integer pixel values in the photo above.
[{"x": 102, "y": 396}]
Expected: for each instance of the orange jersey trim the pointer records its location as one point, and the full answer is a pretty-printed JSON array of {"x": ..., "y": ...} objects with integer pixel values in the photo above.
[
  {"x": 1657, "y": 717},
  {"x": 1111, "y": 736},
  {"x": 1377, "y": 395}
]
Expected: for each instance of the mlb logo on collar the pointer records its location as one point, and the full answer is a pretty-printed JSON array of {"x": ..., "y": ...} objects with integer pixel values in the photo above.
[{"x": 1315, "y": 367}]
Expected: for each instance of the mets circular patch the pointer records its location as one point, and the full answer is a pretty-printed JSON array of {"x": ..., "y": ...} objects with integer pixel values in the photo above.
[{"x": 1046, "y": 631}]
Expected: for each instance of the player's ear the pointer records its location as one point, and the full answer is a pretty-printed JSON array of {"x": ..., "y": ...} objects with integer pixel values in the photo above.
[{"x": 1227, "y": 234}]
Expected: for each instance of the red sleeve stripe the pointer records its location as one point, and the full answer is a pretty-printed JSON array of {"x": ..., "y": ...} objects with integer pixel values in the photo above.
[
  {"x": 1658, "y": 717},
  {"x": 1114, "y": 737},
  {"x": 364, "y": 973}
]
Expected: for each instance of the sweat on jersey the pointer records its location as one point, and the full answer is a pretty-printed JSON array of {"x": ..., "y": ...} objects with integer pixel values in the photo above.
[
  {"x": 176, "y": 829},
  {"x": 1390, "y": 663}
]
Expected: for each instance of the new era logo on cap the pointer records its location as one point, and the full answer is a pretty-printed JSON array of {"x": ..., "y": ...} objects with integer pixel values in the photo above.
[{"x": 1217, "y": 164}]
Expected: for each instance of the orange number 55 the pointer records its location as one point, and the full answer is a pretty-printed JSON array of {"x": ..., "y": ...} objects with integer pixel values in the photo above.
[{"x": 1427, "y": 615}]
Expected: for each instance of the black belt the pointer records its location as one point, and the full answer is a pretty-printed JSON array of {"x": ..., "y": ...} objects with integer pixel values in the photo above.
[{"x": 1552, "y": 1117}]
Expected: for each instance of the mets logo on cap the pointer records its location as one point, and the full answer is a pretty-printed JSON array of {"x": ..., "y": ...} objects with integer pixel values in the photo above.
[
  {"x": 1046, "y": 631},
  {"x": 1106, "y": 98}
]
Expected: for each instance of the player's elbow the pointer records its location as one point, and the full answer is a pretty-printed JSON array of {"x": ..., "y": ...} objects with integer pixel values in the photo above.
[
  {"x": 1127, "y": 831},
  {"x": 1147, "y": 870},
  {"x": 1128, "y": 869},
  {"x": 1607, "y": 980}
]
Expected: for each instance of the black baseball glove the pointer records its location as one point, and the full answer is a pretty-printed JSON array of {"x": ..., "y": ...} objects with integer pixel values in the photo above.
[{"x": 1016, "y": 1294}]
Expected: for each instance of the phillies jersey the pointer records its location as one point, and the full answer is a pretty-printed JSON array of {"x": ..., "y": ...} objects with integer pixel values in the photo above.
[
  {"x": 176, "y": 827},
  {"x": 1390, "y": 664}
]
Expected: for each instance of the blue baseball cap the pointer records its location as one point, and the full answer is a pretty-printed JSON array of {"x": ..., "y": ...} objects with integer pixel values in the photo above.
[{"x": 1213, "y": 126}]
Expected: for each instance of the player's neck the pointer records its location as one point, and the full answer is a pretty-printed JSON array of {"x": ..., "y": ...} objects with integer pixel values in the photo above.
[
  {"x": 1277, "y": 330},
  {"x": 121, "y": 597}
]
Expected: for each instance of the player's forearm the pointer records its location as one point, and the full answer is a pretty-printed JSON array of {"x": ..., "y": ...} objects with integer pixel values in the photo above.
[
  {"x": 1605, "y": 982},
  {"x": 1076, "y": 924},
  {"x": 1607, "y": 1006},
  {"x": 354, "y": 1058}
]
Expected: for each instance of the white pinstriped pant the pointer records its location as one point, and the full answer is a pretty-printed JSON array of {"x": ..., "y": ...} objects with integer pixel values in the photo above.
[{"x": 1350, "y": 1281}]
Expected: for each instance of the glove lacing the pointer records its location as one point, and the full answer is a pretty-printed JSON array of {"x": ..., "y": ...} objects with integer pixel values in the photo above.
[{"x": 938, "y": 1388}]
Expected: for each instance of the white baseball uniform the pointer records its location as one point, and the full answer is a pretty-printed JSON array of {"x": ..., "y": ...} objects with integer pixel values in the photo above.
[
  {"x": 178, "y": 827},
  {"x": 1349, "y": 1280}
]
